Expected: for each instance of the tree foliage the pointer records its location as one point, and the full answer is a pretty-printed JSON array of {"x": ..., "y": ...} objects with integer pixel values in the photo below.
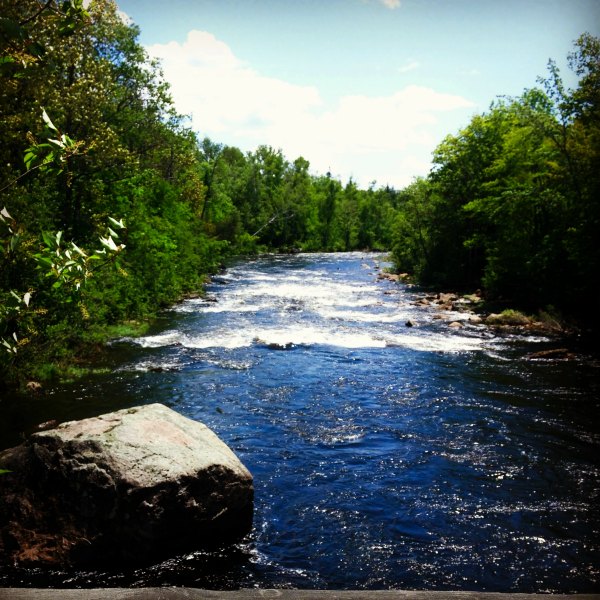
[
  {"x": 90, "y": 141},
  {"x": 512, "y": 203}
]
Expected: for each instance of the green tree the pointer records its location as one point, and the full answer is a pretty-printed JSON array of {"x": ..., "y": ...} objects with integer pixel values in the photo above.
[
  {"x": 513, "y": 201},
  {"x": 577, "y": 137},
  {"x": 411, "y": 246},
  {"x": 349, "y": 219},
  {"x": 328, "y": 190}
]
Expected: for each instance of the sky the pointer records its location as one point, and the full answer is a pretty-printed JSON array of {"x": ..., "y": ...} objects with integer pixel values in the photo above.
[{"x": 364, "y": 89}]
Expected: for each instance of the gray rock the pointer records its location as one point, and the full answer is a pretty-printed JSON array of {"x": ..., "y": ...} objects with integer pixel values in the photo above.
[{"x": 129, "y": 486}]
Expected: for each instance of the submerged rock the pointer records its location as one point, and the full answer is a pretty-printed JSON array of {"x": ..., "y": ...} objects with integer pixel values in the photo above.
[{"x": 129, "y": 486}]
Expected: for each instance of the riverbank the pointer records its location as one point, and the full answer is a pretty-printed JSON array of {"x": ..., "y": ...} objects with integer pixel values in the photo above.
[
  {"x": 74, "y": 355},
  {"x": 473, "y": 310},
  {"x": 260, "y": 594}
]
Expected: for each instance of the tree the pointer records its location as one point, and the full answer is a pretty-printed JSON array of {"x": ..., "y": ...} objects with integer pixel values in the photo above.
[
  {"x": 134, "y": 158},
  {"x": 579, "y": 144},
  {"x": 329, "y": 190},
  {"x": 411, "y": 245},
  {"x": 349, "y": 220},
  {"x": 513, "y": 201}
]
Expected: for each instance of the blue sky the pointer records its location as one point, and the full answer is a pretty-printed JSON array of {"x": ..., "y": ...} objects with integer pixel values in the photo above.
[{"x": 364, "y": 88}]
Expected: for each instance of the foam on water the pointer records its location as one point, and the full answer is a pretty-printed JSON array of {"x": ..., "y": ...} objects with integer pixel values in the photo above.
[
  {"x": 312, "y": 308},
  {"x": 313, "y": 336},
  {"x": 169, "y": 338},
  {"x": 390, "y": 316},
  {"x": 438, "y": 342}
]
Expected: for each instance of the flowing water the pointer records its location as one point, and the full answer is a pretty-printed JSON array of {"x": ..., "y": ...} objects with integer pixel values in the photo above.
[{"x": 384, "y": 456}]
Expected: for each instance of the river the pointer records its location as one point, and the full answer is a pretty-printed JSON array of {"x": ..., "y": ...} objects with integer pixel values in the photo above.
[{"x": 384, "y": 456}]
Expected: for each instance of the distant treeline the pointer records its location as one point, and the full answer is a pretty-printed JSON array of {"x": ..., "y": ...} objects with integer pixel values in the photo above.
[{"x": 112, "y": 207}]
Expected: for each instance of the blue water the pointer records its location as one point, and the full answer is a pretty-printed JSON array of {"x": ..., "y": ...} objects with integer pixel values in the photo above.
[{"x": 384, "y": 456}]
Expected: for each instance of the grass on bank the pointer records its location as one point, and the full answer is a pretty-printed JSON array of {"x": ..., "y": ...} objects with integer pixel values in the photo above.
[{"x": 75, "y": 354}]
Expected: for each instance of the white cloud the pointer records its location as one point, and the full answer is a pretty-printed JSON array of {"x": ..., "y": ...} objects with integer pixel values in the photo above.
[
  {"x": 221, "y": 92},
  {"x": 411, "y": 65},
  {"x": 367, "y": 137},
  {"x": 391, "y": 4}
]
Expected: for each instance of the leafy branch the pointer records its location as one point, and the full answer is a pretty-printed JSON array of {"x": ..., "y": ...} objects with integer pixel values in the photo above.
[
  {"x": 69, "y": 265},
  {"x": 51, "y": 156},
  {"x": 66, "y": 263},
  {"x": 22, "y": 47}
]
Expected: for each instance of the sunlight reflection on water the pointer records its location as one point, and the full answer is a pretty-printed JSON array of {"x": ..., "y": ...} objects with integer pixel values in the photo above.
[{"x": 383, "y": 456}]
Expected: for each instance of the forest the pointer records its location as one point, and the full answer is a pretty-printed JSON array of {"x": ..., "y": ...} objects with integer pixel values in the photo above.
[
  {"x": 512, "y": 203},
  {"x": 113, "y": 208}
]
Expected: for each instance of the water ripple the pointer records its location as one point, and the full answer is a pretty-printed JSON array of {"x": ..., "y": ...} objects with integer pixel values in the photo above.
[{"x": 384, "y": 456}]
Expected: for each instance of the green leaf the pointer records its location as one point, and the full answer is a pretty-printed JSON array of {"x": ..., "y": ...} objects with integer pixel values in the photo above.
[
  {"x": 67, "y": 141},
  {"x": 57, "y": 143},
  {"x": 29, "y": 158},
  {"x": 3, "y": 471},
  {"x": 117, "y": 224},
  {"x": 11, "y": 29},
  {"x": 47, "y": 120},
  {"x": 14, "y": 242},
  {"x": 43, "y": 261},
  {"x": 109, "y": 243},
  {"x": 78, "y": 250},
  {"x": 36, "y": 49},
  {"x": 48, "y": 239}
]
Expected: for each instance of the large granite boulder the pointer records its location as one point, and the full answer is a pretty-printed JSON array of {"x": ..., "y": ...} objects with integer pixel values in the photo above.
[{"x": 130, "y": 486}]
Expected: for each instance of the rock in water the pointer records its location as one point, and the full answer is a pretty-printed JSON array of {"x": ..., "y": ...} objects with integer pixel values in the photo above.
[{"x": 131, "y": 486}]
